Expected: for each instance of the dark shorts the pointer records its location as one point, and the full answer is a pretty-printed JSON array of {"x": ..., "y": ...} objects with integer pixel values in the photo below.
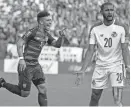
[{"x": 32, "y": 73}]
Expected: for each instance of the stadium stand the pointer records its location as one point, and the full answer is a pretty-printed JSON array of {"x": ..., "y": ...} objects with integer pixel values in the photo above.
[{"x": 77, "y": 15}]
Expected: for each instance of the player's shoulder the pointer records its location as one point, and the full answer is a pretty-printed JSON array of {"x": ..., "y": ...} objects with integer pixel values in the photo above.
[
  {"x": 31, "y": 31},
  {"x": 34, "y": 29},
  {"x": 121, "y": 25},
  {"x": 96, "y": 24}
]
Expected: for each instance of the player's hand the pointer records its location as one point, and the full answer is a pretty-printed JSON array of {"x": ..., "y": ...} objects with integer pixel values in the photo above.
[
  {"x": 128, "y": 69},
  {"x": 128, "y": 75},
  {"x": 79, "y": 77},
  {"x": 62, "y": 33},
  {"x": 21, "y": 65}
]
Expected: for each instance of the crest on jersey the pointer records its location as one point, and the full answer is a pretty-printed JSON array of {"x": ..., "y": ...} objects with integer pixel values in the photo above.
[
  {"x": 114, "y": 34},
  {"x": 101, "y": 35},
  {"x": 24, "y": 85},
  {"x": 28, "y": 33}
]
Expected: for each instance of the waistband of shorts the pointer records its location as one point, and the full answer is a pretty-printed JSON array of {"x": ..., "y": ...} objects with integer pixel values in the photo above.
[{"x": 111, "y": 65}]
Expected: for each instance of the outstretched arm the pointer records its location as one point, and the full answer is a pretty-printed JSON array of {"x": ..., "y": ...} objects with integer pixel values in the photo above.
[{"x": 59, "y": 42}]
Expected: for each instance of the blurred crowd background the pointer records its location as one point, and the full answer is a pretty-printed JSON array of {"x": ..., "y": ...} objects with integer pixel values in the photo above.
[{"x": 17, "y": 16}]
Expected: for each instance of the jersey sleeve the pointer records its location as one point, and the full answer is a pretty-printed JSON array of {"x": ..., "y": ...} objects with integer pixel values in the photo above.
[
  {"x": 50, "y": 39},
  {"x": 92, "y": 38},
  {"x": 125, "y": 36},
  {"x": 27, "y": 35}
]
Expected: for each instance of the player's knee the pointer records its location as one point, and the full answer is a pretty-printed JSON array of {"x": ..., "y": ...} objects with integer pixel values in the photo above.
[
  {"x": 42, "y": 88},
  {"x": 25, "y": 93},
  {"x": 115, "y": 96},
  {"x": 94, "y": 97}
]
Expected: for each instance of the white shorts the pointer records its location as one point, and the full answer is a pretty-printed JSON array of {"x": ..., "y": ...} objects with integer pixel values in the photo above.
[{"x": 101, "y": 76}]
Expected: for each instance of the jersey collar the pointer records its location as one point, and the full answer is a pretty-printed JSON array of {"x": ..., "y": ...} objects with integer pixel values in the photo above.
[{"x": 111, "y": 24}]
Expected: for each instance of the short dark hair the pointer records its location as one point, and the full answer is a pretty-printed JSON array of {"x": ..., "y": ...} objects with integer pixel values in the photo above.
[
  {"x": 42, "y": 14},
  {"x": 107, "y": 3}
]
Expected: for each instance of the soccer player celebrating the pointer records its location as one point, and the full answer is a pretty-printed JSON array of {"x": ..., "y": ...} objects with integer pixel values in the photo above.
[
  {"x": 111, "y": 39},
  {"x": 28, "y": 68}
]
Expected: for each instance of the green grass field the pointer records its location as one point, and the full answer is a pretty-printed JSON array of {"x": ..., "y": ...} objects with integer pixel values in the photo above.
[{"x": 61, "y": 92}]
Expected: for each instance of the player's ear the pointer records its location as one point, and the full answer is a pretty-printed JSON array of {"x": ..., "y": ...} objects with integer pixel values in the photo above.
[{"x": 41, "y": 21}]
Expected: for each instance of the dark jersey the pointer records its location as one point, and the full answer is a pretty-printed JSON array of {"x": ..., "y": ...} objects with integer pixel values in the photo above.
[{"x": 34, "y": 41}]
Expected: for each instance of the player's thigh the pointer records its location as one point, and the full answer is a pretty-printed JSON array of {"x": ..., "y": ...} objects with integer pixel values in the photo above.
[
  {"x": 100, "y": 78},
  {"x": 96, "y": 93},
  {"x": 39, "y": 78},
  {"x": 25, "y": 78},
  {"x": 117, "y": 76}
]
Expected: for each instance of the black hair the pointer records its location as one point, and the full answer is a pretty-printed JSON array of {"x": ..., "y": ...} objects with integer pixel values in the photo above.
[
  {"x": 42, "y": 14},
  {"x": 107, "y": 3}
]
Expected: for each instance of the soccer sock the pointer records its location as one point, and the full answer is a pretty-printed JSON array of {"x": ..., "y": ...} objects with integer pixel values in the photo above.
[
  {"x": 94, "y": 100},
  {"x": 12, "y": 88},
  {"x": 93, "y": 103},
  {"x": 42, "y": 99}
]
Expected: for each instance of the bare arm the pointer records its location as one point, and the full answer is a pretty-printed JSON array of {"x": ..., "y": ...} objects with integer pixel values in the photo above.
[
  {"x": 88, "y": 56},
  {"x": 87, "y": 60},
  {"x": 125, "y": 54},
  {"x": 124, "y": 45},
  {"x": 90, "y": 50},
  {"x": 22, "y": 40},
  {"x": 20, "y": 45},
  {"x": 59, "y": 42},
  {"x": 22, "y": 64}
]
